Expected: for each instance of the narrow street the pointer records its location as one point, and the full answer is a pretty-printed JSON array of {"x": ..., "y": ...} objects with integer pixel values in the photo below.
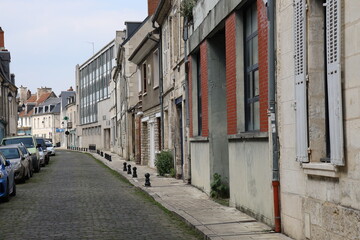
[{"x": 74, "y": 197}]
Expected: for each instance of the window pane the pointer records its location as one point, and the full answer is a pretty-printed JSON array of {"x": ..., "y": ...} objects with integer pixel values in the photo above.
[
  {"x": 254, "y": 54},
  {"x": 256, "y": 83},
  {"x": 256, "y": 115}
]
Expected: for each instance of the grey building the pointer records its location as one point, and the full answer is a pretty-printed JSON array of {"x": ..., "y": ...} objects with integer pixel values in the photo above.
[{"x": 8, "y": 92}]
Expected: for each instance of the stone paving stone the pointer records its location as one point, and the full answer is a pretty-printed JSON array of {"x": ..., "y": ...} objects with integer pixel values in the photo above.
[
  {"x": 74, "y": 197},
  {"x": 195, "y": 207}
]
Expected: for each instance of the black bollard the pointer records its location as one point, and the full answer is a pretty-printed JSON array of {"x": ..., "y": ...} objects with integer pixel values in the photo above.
[
  {"x": 147, "y": 180},
  {"x": 124, "y": 168},
  {"x": 129, "y": 169},
  {"x": 134, "y": 172}
]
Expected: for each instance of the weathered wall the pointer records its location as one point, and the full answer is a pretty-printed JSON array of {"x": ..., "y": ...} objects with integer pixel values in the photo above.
[
  {"x": 250, "y": 178},
  {"x": 200, "y": 166},
  {"x": 319, "y": 207}
]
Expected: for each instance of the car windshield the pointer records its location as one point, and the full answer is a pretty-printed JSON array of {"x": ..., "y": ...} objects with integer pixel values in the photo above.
[
  {"x": 28, "y": 142},
  {"x": 41, "y": 141},
  {"x": 49, "y": 145},
  {"x": 10, "y": 153}
]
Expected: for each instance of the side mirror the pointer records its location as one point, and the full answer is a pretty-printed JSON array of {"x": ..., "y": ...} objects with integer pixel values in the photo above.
[
  {"x": 22, "y": 158},
  {"x": 38, "y": 145},
  {"x": 7, "y": 163}
]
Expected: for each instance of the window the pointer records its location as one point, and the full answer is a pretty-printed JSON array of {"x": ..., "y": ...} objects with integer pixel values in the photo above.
[
  {"x": 198, "y": 86},
  {"x": 156, "y": 69},
  {"x": 144, "y": 76},
  {"x": 252, "y": 105},
  {"x": 319, "y": 87}
]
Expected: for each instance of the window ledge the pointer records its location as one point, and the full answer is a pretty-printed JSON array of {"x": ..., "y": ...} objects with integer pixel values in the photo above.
[
  {"x": 321, "y": 169},
  {"x": 248, "y": 135},
  {"x": 199, "y": 139}
]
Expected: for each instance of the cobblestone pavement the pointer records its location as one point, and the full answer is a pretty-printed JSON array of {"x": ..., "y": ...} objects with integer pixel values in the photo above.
[{"x": 76, "y": 198}]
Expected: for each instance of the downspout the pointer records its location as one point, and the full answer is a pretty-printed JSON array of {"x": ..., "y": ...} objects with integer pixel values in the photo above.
[
  {"x": 272, "y": 114},
  {"x": 161, "y": 87},
  {"x": 186, "y": 60}
]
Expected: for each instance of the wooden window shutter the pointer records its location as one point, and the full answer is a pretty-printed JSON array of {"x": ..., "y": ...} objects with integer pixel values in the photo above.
[
  {"x": 300, "y": 81},
  {"x": 333, "y": 56}
]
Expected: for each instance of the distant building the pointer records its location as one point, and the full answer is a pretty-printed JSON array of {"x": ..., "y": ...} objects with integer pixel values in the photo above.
[
  {"x": 27, "y": 104},
  {"x": 67, "y": 118},
  {"x": 8, "y": 93},
  {"x": 92, "y": 86},
  {"x": 46, "y": 118}
]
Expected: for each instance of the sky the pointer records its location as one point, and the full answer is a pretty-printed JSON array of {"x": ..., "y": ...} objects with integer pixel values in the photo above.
[{"x": 47, "y": 38}]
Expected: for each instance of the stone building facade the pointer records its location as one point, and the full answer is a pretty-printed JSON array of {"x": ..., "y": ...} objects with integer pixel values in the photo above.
[{"x": 319, "y": 118}]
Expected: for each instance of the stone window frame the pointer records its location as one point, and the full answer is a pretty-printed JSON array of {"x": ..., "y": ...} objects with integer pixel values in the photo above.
[{"x": 326, "y": 159}]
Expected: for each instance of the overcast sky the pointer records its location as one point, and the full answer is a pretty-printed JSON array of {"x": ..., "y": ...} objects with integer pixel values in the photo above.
[{"x": 47, "y": 38}]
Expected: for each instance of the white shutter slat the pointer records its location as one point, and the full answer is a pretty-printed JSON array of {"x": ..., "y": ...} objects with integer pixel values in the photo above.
[
  {"x": 333, "y": 55},
  {"x": 300, "y": 81}
]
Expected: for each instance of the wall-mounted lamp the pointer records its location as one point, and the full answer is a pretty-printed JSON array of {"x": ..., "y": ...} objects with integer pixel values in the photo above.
[{"x": 10, "y": 96}]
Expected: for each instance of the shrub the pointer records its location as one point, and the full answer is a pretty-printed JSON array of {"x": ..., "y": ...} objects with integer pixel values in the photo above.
[
  {"x": 164, "y": 162},
  {"x": 186, "y": 8},
  {"x": 219, "y": 189}
]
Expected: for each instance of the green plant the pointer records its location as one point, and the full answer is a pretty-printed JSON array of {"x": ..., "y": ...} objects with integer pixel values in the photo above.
[
  {"x": 164, "y": 162},
  {"x": 219, "y": 189},
  {"x": 186, "y": 8},
  {"x": 172, "y": 172}
]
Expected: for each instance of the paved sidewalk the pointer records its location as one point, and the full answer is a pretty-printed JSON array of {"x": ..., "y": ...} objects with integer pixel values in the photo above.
[{"x": 215, "y": 221}]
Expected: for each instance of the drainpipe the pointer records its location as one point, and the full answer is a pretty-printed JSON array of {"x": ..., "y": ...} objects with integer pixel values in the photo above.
[
  {"x": 272, "y": 114},
  {"x": 161, "y": 87},
  {"x": 186, "y": 60}
]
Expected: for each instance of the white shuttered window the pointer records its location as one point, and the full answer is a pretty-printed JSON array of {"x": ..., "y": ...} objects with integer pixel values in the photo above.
[
  {"x": 300, "y": 81},
  {"x": 333, "y": 56}
]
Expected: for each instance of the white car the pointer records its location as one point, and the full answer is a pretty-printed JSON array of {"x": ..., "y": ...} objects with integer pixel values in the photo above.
[{"x": 50, "y": 148}]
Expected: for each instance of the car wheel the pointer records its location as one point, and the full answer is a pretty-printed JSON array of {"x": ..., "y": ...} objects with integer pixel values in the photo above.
[
  {"x": 37, "y": 169},
  {"x": 14, "y": 190},
  {"x": 6, "y": 197}
]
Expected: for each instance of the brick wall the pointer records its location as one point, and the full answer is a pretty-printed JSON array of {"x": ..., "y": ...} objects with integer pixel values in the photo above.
[
  {"x": 152, "y": 5},
  {"x": 230, "y": 42},
  {"x": 204, "y": 89},
  {"x": 263, "y": 64},
  {"x": 144, "y": 143}
]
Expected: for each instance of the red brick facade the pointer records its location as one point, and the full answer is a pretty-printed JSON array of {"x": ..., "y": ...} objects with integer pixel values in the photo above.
[
  {"x": 230, "y": 41},
  {"x": 152, "y": 5},
  {"x": 263, "y": 64},
  {"x": 204, "y": 89}
]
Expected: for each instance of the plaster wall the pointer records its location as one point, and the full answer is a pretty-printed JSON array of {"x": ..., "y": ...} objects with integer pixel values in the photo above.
[
  {"x": 250, "y": 179},
  {"x": 219, "y": 152},
  {"x": 200, "y": 165}
]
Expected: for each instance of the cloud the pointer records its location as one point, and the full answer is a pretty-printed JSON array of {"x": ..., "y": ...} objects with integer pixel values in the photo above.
[{"x": 51, "y": 37}]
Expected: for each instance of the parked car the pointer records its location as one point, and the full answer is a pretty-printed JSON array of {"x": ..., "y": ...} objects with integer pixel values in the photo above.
[
  {"x": 30, "y": 143},
  {"x": 41, "y": 141},
  {"x": 50, "y": 148},
  {"x": 27, "y": 154},
  {"x": 20, "y": 163},
  {"x": 7, "y": 181}
]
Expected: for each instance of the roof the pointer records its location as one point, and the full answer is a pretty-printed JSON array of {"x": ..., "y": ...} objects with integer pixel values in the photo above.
[
  {"x": 161, "y": 11},
  {"x": 145, "y": 47}
]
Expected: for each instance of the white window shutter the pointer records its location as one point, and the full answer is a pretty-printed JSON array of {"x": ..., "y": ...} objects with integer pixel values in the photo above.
[
  {"x": 300, "y": 81},
  {"x": 333, "y": 55}
]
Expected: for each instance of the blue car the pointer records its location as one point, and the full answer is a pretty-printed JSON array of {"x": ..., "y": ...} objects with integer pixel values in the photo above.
[{"x": 7, "y": 180}]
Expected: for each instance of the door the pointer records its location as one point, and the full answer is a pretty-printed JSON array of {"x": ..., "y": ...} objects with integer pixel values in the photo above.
[{"x": 181, "y": 140}]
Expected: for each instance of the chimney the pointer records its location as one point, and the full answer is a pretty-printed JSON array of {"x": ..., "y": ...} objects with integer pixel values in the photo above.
[
  {"x": 152, "y": 5},
  {"x": 2, "y": 42},
  {"x": 12, "y": 78}
]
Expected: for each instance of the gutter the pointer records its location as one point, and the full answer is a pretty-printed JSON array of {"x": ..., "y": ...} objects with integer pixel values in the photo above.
[{"x": 272, "y": 113}]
